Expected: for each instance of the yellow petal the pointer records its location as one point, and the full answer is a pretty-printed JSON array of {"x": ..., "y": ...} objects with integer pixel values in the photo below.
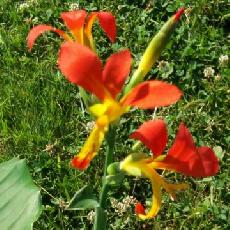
[
  {"x": 156, "y": 201},
  {"x": 88, "y": 30},
  {"x": 173, "y": 188},
  {"x": 78, "y": 35},
  {"x": 103, "y": 122},
  {"x": 134, "y": 163}
]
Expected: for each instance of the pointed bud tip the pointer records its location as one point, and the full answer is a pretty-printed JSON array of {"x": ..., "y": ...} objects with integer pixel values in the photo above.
[{"x": 179, "y": 13}]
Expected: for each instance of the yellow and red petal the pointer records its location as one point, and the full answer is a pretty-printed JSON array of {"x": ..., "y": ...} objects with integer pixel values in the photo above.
[
  {"x": 90, "y": 148},
  {"x": 116, "y": 70},
  {"x": 151, "y": 94},
  {"x": 36, "y": 31},
  {"x": 186, "y": 158},
  {"x": 156, "y": 199},
  {"x": 153, "y": 134},
  {"x": 82, "y": 67},
  {"x": 107, "y": 23},
  {"x": 75, "y": 20},
  {"x": 88, "y": 39},
  {"x": 81, "y": 164}
]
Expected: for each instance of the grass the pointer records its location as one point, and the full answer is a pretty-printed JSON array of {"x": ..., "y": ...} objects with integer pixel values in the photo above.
[{"x": 39, "y": 107}]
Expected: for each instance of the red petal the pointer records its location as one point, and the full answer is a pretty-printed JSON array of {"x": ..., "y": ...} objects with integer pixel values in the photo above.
[
  {"x": 82, "y": 67},
  {"x": 74, "y": 19},
  {"x": 108, "y": 24},
  {"x": 153, "y": 134},
  {"x": 152, "y": 94},
  {"x": 139, "y": 209},
  {"x": 186, "y": 158},
  {"x": 208, "y": 162},
  {"x": 116, "y": 70},
  {"x": 38, "y": 30}
]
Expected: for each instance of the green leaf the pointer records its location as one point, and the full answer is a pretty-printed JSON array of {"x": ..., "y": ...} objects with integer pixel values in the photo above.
[
  {"x": 83, "y": 199},
  {"x": 20, "y": 200}
]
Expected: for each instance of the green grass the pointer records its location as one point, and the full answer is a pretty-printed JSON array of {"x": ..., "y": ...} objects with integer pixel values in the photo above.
[{"x": 39, "y": 107}]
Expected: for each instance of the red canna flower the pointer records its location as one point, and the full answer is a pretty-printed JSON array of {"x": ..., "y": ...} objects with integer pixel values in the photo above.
[
  {"x": 183, "y": 157},
  {"x": 83, "y": 67},
  {"x": 80, "y": 27}
]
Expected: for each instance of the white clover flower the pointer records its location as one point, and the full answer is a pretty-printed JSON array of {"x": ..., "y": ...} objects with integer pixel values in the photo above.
[
  {"x": 223, "y": 60},
  {"x": 35, "y": 20},
  {"x": 89, "y": 126},
  {"x": 129, "y": 200},
  {"x": 187, "y": 13},
  {"x": 23, "y": 6},
  {"x": 49, "y": 148},
  {"x": 209, "y": 72},
  {"x": 90, "y": 216},
  {"x": 217, "y": 77},
  {"x": 124, "y": 205},
  {"x": 162, "y": 65},
  {"x": 74, "y": 6}
]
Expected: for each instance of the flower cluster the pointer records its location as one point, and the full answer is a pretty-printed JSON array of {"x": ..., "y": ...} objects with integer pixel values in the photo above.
[
  {"x": 183, "y": 157},
  {"x": 223, "y": 60},
  {"x": 209, "y": 72},
  {"x": 121, "y": 207},
  {"x": 80, "y": 65}
]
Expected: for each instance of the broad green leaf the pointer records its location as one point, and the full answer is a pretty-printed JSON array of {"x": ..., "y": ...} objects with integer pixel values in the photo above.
[
  {"x": 83, "y": 199},
  {"x": 20, "y": 201}
]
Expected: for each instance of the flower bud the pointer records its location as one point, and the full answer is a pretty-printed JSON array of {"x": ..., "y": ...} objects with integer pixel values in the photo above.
[
  {"x": 115, "y": 175},
  {"x": 114, "y": 168},
  {"x": 154, "y": 49}
]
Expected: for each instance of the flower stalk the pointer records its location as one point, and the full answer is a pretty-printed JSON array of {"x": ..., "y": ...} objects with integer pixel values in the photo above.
[{"x": 101, "y": 211}]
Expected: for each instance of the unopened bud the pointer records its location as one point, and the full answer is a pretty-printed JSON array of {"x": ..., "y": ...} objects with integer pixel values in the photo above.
[{"x": 154, "y": 49}]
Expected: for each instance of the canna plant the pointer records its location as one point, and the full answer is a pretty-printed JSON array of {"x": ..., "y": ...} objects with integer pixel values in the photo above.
[{"x": 81, "y": 66}]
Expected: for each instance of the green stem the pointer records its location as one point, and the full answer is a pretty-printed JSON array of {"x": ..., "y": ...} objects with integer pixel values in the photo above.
[{"x": 100, "y": 216}]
